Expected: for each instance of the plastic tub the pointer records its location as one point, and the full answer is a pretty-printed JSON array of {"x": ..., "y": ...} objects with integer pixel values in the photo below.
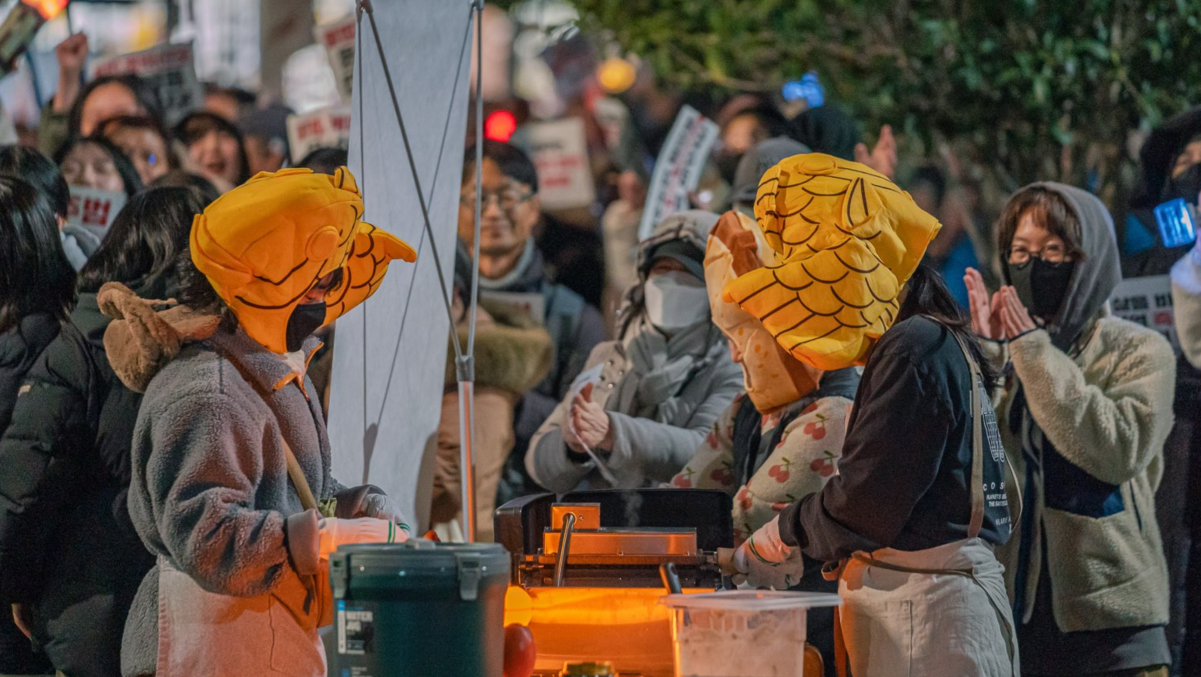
[{"x": 742, "y": 633}]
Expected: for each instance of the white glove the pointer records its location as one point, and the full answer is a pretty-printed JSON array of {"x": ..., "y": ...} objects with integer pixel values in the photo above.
[
  {"x": 336, "y": 532},
  {"x": 382, "y": 507},
  {"x": 765, "y": 561}
]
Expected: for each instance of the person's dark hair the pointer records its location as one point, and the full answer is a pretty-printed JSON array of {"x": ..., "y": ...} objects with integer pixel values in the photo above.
[
  {"x": 197, "y": 293},
  {"x": 125, "y": 168},
  {"x": 325, "y": 160},
  {"x": 768, "y": 116},
  {"x": 197, "y": 125},
  {"x": 145, "y": 94},
  {"x": 141, "y": 122},
  {"x": 513, "y": 162},
  {"x": 181, "y": 178},
  {"x": 926, "y": 294},
  {"x": 34, "y": 272},
  {"x": 144, "y": 242},
  {"x": 38, "y": 171},
  {"x": 1049, "y": 210}
]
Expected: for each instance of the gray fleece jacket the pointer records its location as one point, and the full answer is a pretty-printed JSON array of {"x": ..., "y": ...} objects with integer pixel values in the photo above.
[{"x": 210, "y": 491}]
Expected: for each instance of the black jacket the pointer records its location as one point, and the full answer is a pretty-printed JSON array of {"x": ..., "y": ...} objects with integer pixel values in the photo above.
[
  {"x": 67, "y": 545},
  {"x": 19, "y": 348},
  {"x": 903, "y": 479}
]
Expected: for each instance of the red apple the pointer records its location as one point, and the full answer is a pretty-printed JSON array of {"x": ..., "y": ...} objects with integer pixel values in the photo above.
[{"x": 520, "y": 651}]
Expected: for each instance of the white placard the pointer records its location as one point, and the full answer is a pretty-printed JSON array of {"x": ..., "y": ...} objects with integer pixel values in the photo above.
[
  {"x": 678, "y": 169},
  {"x": 94, "y": 209},
  {"x": 169, "y": 69},
  {"x": 559, "y": 150},
  {"x": 338, "y": 41},
  {"x": 1147, "y": 301},
  {"x": 325, "y": 128}
]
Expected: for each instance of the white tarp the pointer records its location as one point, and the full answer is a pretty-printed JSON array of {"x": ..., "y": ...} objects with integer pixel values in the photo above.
[{"x": 390, "y": 353}]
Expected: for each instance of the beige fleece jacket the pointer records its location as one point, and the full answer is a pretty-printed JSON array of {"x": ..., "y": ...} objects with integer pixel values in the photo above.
[{"x": 1108, "y": 411}]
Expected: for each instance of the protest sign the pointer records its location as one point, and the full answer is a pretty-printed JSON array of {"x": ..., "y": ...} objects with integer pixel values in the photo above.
[
  {"x": 169, "y": 69},
  {"x": 560, "y": 152},
  {"x": 94, "y": 209},
  {"x": 678, "y": 169},
  {"x": 1147, "y": 301},
  {"x": 325, "y": 128},
  {"x": 338, "y": 40}
]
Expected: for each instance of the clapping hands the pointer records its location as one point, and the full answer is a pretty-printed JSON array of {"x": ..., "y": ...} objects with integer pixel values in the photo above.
[{"x": 999, "y": 317}]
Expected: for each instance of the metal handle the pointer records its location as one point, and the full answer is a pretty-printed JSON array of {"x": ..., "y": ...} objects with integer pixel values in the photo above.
[{"x": 564, "y": 548}]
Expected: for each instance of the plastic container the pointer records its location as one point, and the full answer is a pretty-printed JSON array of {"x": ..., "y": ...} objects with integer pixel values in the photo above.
[
  {"x": 419, "y": 609},
  {"x": 742, "y": 633}
]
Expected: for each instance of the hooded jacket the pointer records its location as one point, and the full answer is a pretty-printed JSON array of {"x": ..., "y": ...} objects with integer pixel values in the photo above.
[
  {"x": 67, "y": 546},
  {"x": 1089, "y": 456},
  {"x": 650, "y": 443}
]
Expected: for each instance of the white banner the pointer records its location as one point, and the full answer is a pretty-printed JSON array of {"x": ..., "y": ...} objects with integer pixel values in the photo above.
[
  {"x": 560, "y": 152},
  {"x": 1147, "y": 301},
  {"x": 338, "y": 40},
  {"x": 390, "y": 352},
  {"x": 94, "y": 209},
  {"x": 678, "y": 168},
  {"x": 169, "y": 69},
  {"x": 325, "y": 128}
]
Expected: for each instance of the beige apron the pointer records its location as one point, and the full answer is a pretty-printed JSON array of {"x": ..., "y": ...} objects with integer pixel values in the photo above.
[{"x": 940, "y": 612}]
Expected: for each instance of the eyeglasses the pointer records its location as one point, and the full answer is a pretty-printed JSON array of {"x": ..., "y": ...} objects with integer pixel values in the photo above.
[
  {"x": 507, "y": 198},
  {"x": 1055, "y": 253}
]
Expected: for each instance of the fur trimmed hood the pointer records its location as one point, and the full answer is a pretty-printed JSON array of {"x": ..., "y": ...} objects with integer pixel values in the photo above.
[{"x": 512, "y": 353}]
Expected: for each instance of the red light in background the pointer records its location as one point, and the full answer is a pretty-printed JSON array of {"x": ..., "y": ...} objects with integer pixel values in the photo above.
[
  {"x": 47, "y": 8},
  {"x": 499, "y": 126}
]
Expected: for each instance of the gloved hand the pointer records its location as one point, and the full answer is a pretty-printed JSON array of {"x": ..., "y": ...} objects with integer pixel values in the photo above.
[
  {"x": 336, "y": 532},
  {"x": 765, "y": 561},
  {"x": 382, "y": 507}
]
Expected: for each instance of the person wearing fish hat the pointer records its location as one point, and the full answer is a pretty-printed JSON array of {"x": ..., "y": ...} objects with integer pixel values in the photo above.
[
  {"x": 231, "y": 484},
  {"x": 910, "y": 521}
]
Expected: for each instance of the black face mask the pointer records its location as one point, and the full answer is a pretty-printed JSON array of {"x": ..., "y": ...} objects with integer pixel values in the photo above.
[
  {"x": 1041, "y": 286},
  {"x": 305, "y": 320},
  {"x": 1187, "y": 185}
]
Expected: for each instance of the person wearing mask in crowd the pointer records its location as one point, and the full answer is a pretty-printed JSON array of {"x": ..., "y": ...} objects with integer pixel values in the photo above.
[
  {"x": 265, "y": 131},
  {"x": 1086, "y": 411},
  {"x": 37, "y": 291},
  {"x": 511, "y": 269},
  {"x": 74, "y": 112},
  {"x": 215, "y": 147},
  {"x": 780, "y": 439},
  {"x": 40, "y": 172},
  {"x": 96, "y": 163},
  {"x": 242, "y": 544},
  {"x": 645, "y": 402},
  {"x": 744, "y": 122},
  {"x": 513, "y": 353},
  {"x": 909, "y": 515},
  {"x": 71, "y": 560},
  {"x": 145, "y": 142}
]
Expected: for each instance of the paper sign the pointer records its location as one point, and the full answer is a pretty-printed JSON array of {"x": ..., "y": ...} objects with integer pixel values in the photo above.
[
  {"x": 169, "y": 69},
  {"x": 678, "y": 169},
  {"x": 338, "y": 40},
  {"x": 1147, "y": 301},
  {"x": 533, "y": 303},
  {"x": 94, "y": 209},
  {"x": 560, "y": 152},
  {"x": 325, "y": 128}
]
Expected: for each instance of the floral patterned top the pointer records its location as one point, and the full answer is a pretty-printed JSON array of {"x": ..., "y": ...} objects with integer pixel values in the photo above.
[{"x": 805, "y": 456}]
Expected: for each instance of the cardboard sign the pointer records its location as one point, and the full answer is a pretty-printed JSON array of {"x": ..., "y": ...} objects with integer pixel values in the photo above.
[
  {"x": 560, "y": 152},
  {"x": 169, "y": 69},
  {"x": 678, "y": 169},
  {"x": 532, "y": 303},
  {"x": 1147, "y": 301},
  {"x": 94, "y": 209},
  {"x": 338, "y": 40},
  {"x": 325, "y": 128}
]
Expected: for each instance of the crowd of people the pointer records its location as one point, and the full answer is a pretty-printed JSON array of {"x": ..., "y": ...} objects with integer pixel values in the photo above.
[{"x": 933, "y": 413}]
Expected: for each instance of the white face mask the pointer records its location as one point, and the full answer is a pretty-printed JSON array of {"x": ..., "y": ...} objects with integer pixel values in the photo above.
[{"x": 675, "y": 301}]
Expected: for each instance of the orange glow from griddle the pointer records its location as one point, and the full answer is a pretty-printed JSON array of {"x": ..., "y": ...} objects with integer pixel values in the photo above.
[{"x": 47, "y": 8}]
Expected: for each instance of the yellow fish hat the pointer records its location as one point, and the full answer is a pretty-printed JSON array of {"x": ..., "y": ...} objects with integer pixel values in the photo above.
[
  {"x": 264, "y": 244},
  {"x": 773, "y": 378},
  {"x": 846, "y": 241}
]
